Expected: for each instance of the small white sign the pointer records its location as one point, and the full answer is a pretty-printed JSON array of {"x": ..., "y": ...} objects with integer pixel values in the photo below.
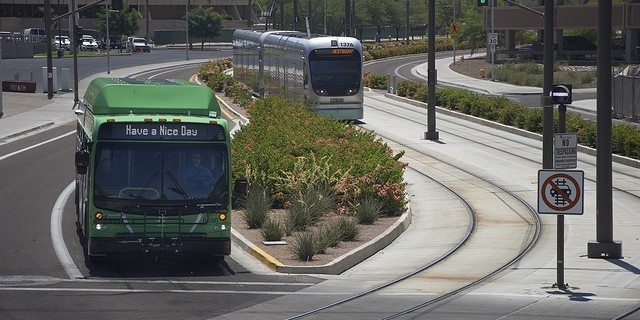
[
  {"x": 493, "y": 38},
  {"x": 565, "y": 151}
]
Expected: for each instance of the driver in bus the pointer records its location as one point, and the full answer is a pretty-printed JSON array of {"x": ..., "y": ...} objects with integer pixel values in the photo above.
[{"x": 196, "y": 178}]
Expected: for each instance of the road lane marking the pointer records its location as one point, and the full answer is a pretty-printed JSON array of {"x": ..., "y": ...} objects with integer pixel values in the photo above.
[
  {"x": 36, "y": 145},
  {"x": 56, "y": 234}
]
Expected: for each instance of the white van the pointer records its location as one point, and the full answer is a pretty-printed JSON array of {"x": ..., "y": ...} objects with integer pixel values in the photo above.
[{"x": 34, "y": 35}]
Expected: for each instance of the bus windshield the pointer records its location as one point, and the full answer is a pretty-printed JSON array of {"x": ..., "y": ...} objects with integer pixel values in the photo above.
[
  {"x": 159, "y": 174},
  {"x": 338, "y": 74}
]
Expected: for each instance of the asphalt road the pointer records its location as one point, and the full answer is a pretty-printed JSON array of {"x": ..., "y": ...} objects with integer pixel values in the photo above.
[
  {"x": 35, "y": 171},
  {"x": 401, "y": 67},
  {"x": 31, "y": 69}
]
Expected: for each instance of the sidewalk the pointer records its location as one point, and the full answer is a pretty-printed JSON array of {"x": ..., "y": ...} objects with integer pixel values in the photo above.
[
  {"x": 25, "y": 113},
  {"x": 448, "y": 77}
]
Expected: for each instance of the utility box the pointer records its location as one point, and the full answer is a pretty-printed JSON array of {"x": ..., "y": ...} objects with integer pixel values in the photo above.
[
  {"x": 64, "y": 81},
  {"x": 44, "y": 79}
]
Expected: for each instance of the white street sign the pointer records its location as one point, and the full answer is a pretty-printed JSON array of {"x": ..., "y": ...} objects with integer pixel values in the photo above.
[
  {"x": 493, "y": 38},
  {"x": 565, "y": 151}
]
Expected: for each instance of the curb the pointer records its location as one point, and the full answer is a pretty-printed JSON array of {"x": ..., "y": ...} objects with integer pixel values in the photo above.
[
  {"x": 27, "y": 131},
  {"x": 521, "y": 132}
]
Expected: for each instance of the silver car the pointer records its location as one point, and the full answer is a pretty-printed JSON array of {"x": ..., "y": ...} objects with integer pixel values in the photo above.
[{"x": 88, "y": 43}]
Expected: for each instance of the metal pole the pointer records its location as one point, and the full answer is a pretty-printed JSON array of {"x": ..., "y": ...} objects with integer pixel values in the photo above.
[
  {"x": 186, "y": 28},
  {"x": 547, "y": 106},
  {"x": 454, "y": 37},
  {"x": 406, "y": 28},
  {"x": 325, "y": 17},
  {"x": 562, "y": 127},
  {"x": 108, "y": 40},
  {"x": 431, "y": 133},
  {"x": 1, "y": 77},
  {"x": 47, "y": 27},
  {"x": 76, "y": 94},
  {"x": 493, "y": 46},
  {"x": 604, "y": 246}
]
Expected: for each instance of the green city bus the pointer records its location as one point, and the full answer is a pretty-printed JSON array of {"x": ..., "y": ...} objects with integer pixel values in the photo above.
[{"x": 153, "y": 169}]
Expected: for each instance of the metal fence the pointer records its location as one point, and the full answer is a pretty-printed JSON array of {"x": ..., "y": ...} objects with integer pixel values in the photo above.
[{"x": 626, "y": 93}]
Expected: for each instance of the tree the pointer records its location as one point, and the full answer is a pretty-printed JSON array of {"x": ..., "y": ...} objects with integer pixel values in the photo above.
[
  {"x": 203, "y": 23},
  {"x": 122, "y": 23},
  {"x": 472, "y": 31}
]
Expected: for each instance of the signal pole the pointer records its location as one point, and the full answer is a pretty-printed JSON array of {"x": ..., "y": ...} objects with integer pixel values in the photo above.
[{"x": 431, "y": 133}]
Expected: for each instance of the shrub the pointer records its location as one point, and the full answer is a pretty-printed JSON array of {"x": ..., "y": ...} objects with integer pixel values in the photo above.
[
  {"x": 327, "y": 236},
  {"x": 376, "y": 81},
  {"x": 308, "y": 206},
  {"x": 348, "y": 227},
  {"x": 272, "y": 230},
  {"x": 367, "y": 210},
  {"x": 255, "y": 206},
  {"x": 286, "y": 141},
  {"x": 304, "y": 245}
]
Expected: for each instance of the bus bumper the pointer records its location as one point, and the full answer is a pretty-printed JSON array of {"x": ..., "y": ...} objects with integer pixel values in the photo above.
[{"x": 101, "y": 247}]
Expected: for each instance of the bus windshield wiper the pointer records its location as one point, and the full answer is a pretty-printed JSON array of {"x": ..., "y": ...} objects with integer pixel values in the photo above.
[
  {"x": 140, "y": 194},
  {"x": 178, "y": 188},
  {"x": 214, "y": 206}
]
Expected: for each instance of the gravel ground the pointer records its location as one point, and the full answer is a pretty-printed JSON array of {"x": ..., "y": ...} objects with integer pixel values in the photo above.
[{"x": 472, "y": 67}]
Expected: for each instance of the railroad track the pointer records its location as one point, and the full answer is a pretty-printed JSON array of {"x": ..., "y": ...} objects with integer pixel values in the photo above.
[{"x": 501, "y": 227}]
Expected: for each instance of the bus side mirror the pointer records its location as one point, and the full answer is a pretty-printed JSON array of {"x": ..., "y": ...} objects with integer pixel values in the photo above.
[
  {"x": 82, "y": 162},
  {"x": 240, "y": 188}
]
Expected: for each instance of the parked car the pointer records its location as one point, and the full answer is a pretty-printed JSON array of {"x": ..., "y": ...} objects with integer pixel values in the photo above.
[
  {"x": 137, "y": 44},
  {"x": 62, "y": 42},
  {"x": 88, "y": 43},
  {"x": 34, "y": 35},
  {"x": 6, "y": 36}
]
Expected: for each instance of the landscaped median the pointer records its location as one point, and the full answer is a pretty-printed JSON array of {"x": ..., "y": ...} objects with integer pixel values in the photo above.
[{"x": 342, "y": 259}]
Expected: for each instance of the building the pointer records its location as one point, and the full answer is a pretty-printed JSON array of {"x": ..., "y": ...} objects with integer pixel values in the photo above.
[{"x": 17, "y": 15}]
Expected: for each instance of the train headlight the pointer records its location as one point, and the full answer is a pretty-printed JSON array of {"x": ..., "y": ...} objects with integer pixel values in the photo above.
[{"x": 320, "y": 92}]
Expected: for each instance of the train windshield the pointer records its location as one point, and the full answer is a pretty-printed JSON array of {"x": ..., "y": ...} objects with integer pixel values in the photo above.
[
  {"x": 164, "y": 174},
  {"x": 335, "y": 72}
]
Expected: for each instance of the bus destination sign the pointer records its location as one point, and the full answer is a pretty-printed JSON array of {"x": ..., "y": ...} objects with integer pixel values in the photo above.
[
  {"x": 334, "y": 51},
  {"x": 160, "y": 131}
]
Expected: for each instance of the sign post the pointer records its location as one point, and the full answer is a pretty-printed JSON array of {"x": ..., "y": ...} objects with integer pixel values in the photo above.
[{"x": 561, "y": 192}]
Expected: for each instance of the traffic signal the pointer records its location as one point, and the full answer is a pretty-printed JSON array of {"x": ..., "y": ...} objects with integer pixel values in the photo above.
[
  {"x": 116, "y": 4},
  {"x": 78, "y": 35},
  {"x": 483, "y": 3}
]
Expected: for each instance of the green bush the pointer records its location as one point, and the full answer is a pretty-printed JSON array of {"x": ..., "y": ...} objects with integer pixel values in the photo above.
[
  {"x": 348, "y": 227},
  {"x": 376, "y": 81},
  {"x": 309, "y": 205},
  {"x": 304, "y": 245},
  {"x": 367, "y": 210},
  {"x": 272, "y": 230},
  {"x": 281, "y": 133},
  {"x": 327, "y": 237},
  {"x": 255, "y": 206},
  {"x": 626, "y": 138}
]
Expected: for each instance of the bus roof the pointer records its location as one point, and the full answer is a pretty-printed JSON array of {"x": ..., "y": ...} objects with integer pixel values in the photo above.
[{"x": 111, "y": 96}]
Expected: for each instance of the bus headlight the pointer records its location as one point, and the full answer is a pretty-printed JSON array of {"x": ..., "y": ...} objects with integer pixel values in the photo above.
[
  {"x": 222, "y": 216},
  {"x": 320, "y": 92},
  {"x": 352, "y": 91},
  {"x": 100, "y": 226}
]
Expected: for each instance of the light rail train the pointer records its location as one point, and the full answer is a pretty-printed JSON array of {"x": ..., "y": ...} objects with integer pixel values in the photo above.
[{"x": 324, "y": 72}]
